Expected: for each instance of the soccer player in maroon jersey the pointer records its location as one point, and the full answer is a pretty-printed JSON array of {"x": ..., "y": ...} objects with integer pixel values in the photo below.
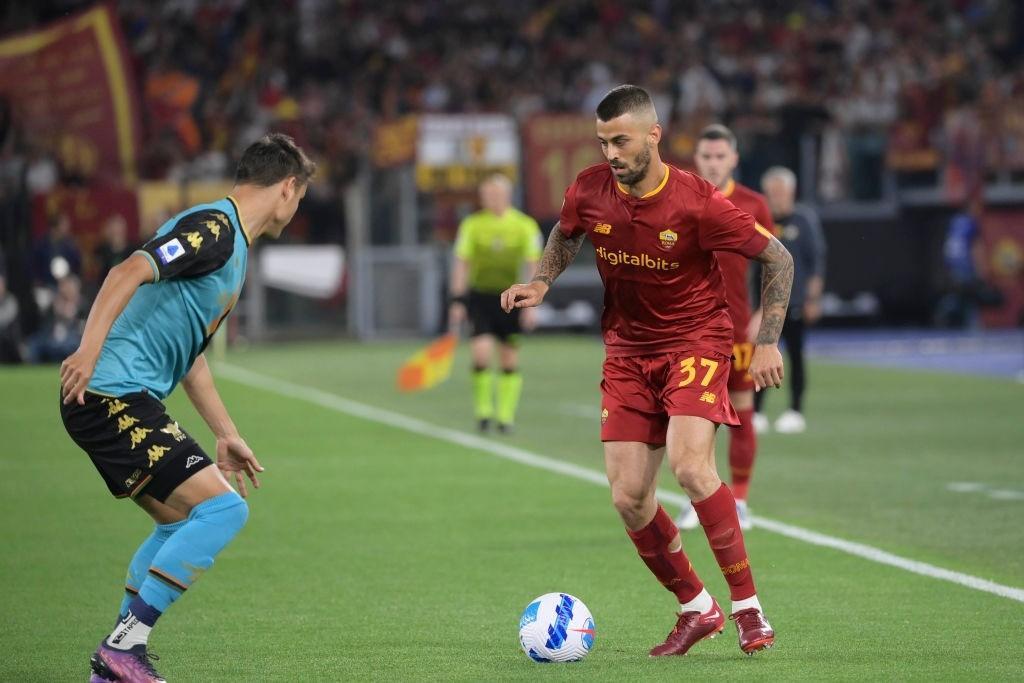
[
  {"x": 668, "y": 340},
  {"x": 716, "y": 159}
]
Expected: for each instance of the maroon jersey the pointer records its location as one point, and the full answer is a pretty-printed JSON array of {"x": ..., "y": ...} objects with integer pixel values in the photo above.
[
  {"x": 735, "y": 267},
  {"x": 663, "y": 288}
]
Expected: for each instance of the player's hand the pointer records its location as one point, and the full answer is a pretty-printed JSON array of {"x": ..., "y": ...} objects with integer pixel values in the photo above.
[
  {"x": 766, "y": 366},
  {"x": 75, "y": 373},
  {"x": 235, "y": 457},
  {"x": 528, "y": 319},
  {"x": 523, "y": 296}
]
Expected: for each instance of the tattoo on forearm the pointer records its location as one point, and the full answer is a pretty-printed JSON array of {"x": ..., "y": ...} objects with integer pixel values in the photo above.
[
  {"x": 776, "y": 283},
  {"x": 558, "y": 254}
]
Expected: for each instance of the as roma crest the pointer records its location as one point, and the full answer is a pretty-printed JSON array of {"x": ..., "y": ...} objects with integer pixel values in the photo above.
[{"x": 668, "y": 238}]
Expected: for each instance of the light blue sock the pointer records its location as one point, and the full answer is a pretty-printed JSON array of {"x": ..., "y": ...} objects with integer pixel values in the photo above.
[
  {"x": 190, "y": 551},
  {"x": 139, "y": 565}
]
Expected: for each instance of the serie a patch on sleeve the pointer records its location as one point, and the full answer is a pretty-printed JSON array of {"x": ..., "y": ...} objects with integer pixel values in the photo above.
[{"x": 170, "y": 250}]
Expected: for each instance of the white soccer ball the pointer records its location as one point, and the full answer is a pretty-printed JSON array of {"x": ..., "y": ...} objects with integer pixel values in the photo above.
[{"x": 556, "y": 627}]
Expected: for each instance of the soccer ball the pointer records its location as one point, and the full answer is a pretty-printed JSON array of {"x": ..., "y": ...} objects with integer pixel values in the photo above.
[{"x": 556, "y": 627}]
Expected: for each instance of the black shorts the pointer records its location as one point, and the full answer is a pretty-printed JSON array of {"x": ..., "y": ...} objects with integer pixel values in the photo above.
[
  {"x": 487, "y": 317},
  {"x": 136, "y": 446}
]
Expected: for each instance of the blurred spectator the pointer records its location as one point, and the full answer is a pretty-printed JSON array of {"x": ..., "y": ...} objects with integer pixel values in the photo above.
[
  {"x": 62, "y": 326},
  {"x": 10, "y": 331},
  {"x": 965, "y": 270},
  {"x": 56, "y": 253},
  {"x": 113, "y": 247}
]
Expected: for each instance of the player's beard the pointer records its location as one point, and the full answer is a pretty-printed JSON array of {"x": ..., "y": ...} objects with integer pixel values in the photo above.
[{"x": 639, "y": 171}]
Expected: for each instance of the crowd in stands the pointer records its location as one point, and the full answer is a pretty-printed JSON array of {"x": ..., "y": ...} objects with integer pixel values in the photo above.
[{"x": 911, "y": 83}]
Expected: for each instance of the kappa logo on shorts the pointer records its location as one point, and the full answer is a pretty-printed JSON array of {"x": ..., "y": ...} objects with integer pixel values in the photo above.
[
  {"x": 155, "y": 453},
  {"x": 192, "y": 460},
  {"x": 168, "y": 251}
]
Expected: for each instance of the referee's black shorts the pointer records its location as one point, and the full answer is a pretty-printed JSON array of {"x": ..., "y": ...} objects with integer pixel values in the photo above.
[
  {"x": 136, "y": 446},
  {"x": 486, "y": 317}
]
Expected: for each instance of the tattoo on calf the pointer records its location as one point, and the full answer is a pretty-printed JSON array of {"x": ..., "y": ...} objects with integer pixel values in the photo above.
[{"x": 776, "y": 283}]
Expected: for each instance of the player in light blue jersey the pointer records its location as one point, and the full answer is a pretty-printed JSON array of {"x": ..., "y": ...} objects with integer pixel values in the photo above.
[{"x": 145, "y": 334}]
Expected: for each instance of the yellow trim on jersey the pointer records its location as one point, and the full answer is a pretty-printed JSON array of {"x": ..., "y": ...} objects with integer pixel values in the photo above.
[
  {"x": 245, "y": 231},
  {"x": 152, "y": 263},
  {"x": 763, "y": 230},
  {"x": 659, "y": 188},
  {"x": 730, "y": 187}
]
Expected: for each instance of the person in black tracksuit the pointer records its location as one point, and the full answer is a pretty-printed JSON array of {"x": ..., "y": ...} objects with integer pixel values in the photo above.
[{"x": 800, "y": 231}]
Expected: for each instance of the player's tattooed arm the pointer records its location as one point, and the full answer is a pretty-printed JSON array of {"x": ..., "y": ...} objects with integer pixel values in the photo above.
[
  {"x": 776, "y": 283},
  {"x": 558, "y": 254}
]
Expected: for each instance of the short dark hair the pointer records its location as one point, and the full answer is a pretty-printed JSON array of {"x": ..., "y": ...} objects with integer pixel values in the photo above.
[
  {"x": 624, "y": 99},
  {"x": 717, "y": 131},
  {"x": 271, "y": 159}
]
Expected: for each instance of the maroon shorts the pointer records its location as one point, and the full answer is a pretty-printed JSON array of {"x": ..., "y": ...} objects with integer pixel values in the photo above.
[
  {"x": 640, "y": 393},
  {"x": 739, "y": 373}
]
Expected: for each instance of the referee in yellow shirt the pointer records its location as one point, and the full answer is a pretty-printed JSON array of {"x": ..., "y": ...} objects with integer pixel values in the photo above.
[{"x": 495, "y": 247}]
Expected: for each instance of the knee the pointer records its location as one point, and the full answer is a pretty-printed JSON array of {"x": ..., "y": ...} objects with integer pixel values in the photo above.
[
  {"x": 228, "y": 511},
  {"x": 629, "y": 504},
  {"x": 692, "y": 473}
]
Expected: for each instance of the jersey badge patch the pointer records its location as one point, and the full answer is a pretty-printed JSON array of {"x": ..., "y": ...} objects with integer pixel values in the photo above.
[
  {"x": 668, "y": 238},
  {"x": 168, "y": 251}
]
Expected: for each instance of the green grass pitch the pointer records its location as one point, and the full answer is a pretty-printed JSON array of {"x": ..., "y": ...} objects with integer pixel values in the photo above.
[{"x": 373, "y": 553}]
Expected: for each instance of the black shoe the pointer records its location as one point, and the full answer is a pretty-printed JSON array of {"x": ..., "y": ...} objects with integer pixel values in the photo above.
[
  {"x": 505, "y": 429},
  {"x": 484, "y": 426}
]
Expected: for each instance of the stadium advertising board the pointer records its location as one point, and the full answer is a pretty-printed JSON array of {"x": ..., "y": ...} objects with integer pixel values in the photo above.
[
  {"x": 70, "y": 90},
  {"x": 455, "y": 152},
  {"x": 557, "y": 147}
]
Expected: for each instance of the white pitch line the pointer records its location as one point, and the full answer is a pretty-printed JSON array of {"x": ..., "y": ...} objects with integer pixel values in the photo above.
[{"x": 524, "y": 457}]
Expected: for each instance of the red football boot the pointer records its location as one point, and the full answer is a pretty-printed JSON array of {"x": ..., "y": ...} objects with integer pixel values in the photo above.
[
  {"x": 691, "y": 628},
  {"x": 754, "y": 630}
]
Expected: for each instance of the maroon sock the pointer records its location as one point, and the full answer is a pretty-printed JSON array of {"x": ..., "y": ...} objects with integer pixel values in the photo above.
[
  {"x": 673, "y": 569},
  {"x": 717, "y": 514},
  {"x": 742, "y": 449}
]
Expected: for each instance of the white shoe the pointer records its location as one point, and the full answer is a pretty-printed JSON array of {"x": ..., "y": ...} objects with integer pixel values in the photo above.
[
  {"x": 761, "y": 424},
  {"x": 743, "y": 512},
  {"x": 687, "y": 519},
  {"x": 790, "y": 422}
]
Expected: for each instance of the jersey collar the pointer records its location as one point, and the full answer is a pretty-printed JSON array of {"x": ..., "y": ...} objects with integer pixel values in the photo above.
[
  {"x": 245, "y": 233},
  {"x": 659, "y": 188},
  {"x": 730, "y": 187}
]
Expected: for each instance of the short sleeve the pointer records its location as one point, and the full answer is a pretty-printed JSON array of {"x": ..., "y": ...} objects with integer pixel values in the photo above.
[
  {"x": 534, "y": 241},
  {"x": 198, "y": 244},
  {"x": 463, "y": 240},
  {"x": 568, "y": 219},
  {"x": 723, "y": 227}
]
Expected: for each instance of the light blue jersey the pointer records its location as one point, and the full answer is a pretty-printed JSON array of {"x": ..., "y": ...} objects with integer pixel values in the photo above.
[{"x": 199, "y": 259}]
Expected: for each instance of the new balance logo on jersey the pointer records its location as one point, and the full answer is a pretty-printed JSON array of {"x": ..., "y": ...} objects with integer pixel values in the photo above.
[
  {"x": 603, "y": 229},
  {"x": 169, "y": 251},
  {"x": 192, "y": 460}
]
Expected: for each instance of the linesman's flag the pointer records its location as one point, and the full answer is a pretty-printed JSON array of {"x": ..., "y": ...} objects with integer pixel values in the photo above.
[{"x": 428, "y": 367}]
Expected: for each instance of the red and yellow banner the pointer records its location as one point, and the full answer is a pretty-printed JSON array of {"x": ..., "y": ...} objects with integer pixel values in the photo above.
[
  {"x": 71, "y": 92},
  {"x": 1002, "y": 237},
  {"x": 557, "y": 147}
]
